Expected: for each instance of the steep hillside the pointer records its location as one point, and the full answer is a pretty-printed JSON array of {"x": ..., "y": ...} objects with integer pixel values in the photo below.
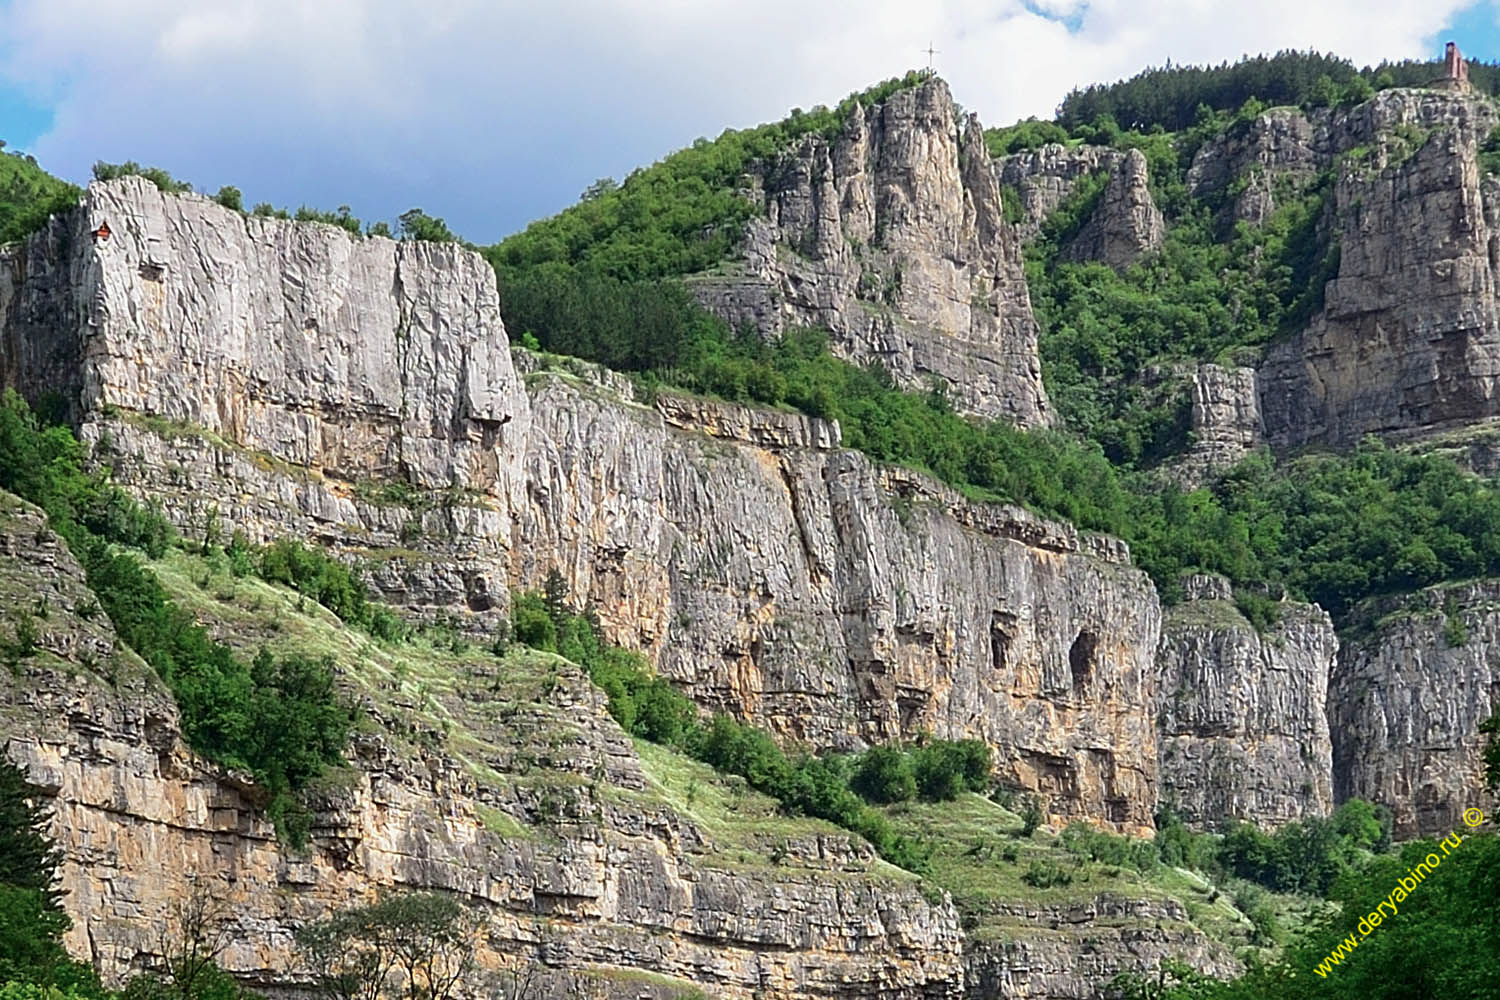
[{"x": 868, "y": 431}]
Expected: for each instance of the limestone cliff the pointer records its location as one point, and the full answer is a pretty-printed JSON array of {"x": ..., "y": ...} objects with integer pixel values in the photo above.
[
  {"x": 1280, "y": 150},
  {"x": 291, "y": 379},
  {"x": 839, "y": 603},
  {"x": 1243, "y": 729},
  {"x": 891, "y": 235},
  {"x": 1126, "y": 224},
  {"x": 1043, "y": 178},
  {"x": 537, "y": 810},
  {"x": 1408, "y": 338},
  {"x": 1408, "y": 693},
  {"x": 1224, "y": 424}
]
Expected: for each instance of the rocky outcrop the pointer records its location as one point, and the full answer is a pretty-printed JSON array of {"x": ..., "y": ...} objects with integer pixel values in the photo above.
[
  {"x": 1043, "y": 178},
  {"x": 264, "y": 371},
  {"x": 1408, "y": 342},
  {"x": 1408, "y": 693},
  {"x": 1126, "y": 224},
  {"x": 892, "y": 237},
  {"x": 284, "y": 379},
  {"x": 1123, "y": 226},
  {"x": 839, "y": 603},
  {"x": 1059, "y": 952},
  {"x": 545, "y": 823},
  {"x": 1225, "y": 423},
  {"x": 1243, "y": 734},
  {"x": 1245, "y": 168}
]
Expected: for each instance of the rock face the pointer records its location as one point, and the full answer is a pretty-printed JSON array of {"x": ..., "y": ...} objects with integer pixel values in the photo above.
[
  {"x": 1086, "y": 945},
  {"x": 335, "y": 360},
  {"x": 892, "y": 237},
  {"x": 614, "y": 880},
  {"x": 1043, "y": 178},
  {"x": 1243, "y": 733},
  {"x": 1226, "y": 424},
  {"x": 839, "y": 603},
  {"x": 1406, "y": 700},
  {"x": 769, "y": 572},
  {"x": 1126, "y": 225},
  {"x": 1408, "y": 341},
  {"x": 1282, "y": 148}
]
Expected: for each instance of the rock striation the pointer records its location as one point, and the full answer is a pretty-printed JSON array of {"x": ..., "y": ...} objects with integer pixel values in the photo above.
[
  {"x": 891, "y": 235},
  {"x": 1407, "y": 342},
  {"x": 291, "y": 379},
  {"x": 1065, "y": 951},
  {"x": 839, "y": 603},
  {"x": 1225, "y": 422},
  {"x": 559, "y": 839},
  {"x": 1243, "y": 732},
  {"x": 1126, "y": 225},
  {"x": 1406, "y": 699}
]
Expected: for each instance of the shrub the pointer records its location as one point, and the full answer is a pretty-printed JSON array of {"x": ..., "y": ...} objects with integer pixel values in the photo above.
[
  {"x": 945, "y": 769},
  {"x": 156, "y": 175},
  {"x": 1105, "y": 848},
  {"x": 884, "y": 774},
  {"x": 1046, "y": 875},
  {"x": 332, "y": 584},
  {"x": 1031, "y": 816}
]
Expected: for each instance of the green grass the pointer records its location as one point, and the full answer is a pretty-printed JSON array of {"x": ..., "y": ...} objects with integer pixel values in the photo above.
[
  {"x": 738, "y": 819},
  {"x": 981, "y": 860}
]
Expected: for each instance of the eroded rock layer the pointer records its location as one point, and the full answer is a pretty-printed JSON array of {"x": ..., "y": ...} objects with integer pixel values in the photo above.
[
  {"x": 1407, "y": 342},
  {"x": 1243, "y": 729},
  {"x": 545, "y": 823},
  {"x": 284, "y": 379},
  {"x": 892, "y": 237},
  {"x": 1407, "y": 696}
]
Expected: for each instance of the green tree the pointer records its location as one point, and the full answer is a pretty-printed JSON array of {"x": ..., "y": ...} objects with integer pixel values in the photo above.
[
  {"x": 884, "y": 774},
  {"x": 28, "y": 858},
  {"x": 413, "y": 946},
  {"x": 32, "y": 921},
  {"x": 416, "y": 224}
]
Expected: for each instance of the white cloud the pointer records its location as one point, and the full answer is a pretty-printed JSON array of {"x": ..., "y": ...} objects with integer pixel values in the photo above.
[{"x": 495, "y": 112}]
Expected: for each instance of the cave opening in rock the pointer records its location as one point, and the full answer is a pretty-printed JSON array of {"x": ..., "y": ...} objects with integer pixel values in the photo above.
[{"x": 1081, "y": 658}]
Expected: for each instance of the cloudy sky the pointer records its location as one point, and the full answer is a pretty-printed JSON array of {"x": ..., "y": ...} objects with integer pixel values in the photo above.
[{"x": 491, "y": 113}]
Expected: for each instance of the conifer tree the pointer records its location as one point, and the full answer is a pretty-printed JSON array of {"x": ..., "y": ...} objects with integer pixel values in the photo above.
[{"x": 28, "y": 858}]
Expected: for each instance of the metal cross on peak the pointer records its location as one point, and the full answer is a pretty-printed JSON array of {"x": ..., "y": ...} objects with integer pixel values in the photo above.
[{"x": 930, "y": 53}]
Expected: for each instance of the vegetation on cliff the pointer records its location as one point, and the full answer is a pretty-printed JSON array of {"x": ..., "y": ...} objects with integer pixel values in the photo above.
[
  {"x": 279, "y": 719},
  {"x": 1109, "y": 337},
  {"x": 680, "y": 215},
  {"x": 1442, "y": 942},
  {"x": 28, "y": 194},
  {"x": 837, "y": 788},
  {"x": 32, "y": 921}
]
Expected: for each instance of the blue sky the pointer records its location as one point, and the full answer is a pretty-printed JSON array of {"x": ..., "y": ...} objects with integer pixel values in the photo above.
[{"x": 492, "y": 113}]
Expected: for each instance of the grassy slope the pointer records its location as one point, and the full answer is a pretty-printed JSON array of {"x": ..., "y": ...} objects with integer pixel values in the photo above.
[{"x": 484, "y": 711}]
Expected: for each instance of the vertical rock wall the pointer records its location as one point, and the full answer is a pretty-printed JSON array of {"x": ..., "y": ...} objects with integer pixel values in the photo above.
[
  {"x": 892, "y": 237},
  {"x": 1409, "y": 691},
  {"x": 1407, "y": 342},
  {"x": 1243, "y": 729},
  {"x": 291, "y": 379}
]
